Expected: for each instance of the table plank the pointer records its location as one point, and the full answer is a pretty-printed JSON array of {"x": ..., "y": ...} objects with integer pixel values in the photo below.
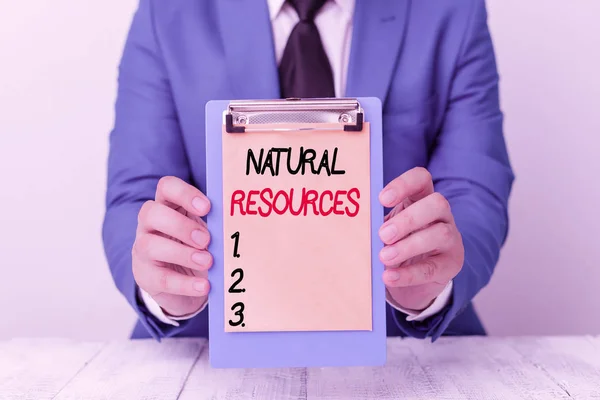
[
  {"x": 573, "y": 363},
  {"x": 232, "y": 384},
  {"x": 488, "y": 365},
  {"x": 38, "y": 369},
  {"x": 143, "y": 370}
]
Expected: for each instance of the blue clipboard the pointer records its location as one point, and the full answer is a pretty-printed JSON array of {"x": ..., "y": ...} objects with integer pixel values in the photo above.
[{"x": 291, "y": 349}]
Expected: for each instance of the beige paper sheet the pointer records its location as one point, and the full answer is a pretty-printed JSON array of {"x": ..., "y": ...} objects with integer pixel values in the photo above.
[{"x": 297, "y": 272}]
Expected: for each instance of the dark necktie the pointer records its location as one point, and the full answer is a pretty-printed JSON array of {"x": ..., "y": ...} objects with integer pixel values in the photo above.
[{"x": 304, "y": 70}]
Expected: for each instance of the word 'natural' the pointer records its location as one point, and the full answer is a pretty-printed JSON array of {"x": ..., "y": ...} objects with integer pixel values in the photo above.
[{"x": 271, "y": 163}]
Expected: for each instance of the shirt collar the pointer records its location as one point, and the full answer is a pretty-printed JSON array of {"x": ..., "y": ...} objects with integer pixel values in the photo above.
[{"x": 275, "y": 6}]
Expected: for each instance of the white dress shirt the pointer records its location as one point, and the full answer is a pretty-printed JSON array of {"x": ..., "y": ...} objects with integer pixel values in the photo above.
[{"x": 334, "y": 22}]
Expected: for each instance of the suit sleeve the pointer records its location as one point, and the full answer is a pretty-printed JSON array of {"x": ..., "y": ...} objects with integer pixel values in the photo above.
[
  {"x": 470, "y": 166},
  {"x": 145, "y": 145}
]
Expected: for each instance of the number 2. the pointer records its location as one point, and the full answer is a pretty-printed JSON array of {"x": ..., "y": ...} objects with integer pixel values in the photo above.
[
  {"x": 233, "y": 288},
  {"x": 238, "y": 313},
  {"x": 236, "y": 240}
]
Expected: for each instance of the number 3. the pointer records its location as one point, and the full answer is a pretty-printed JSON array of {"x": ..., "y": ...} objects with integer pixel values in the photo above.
[{"x": 238, "y": 313}]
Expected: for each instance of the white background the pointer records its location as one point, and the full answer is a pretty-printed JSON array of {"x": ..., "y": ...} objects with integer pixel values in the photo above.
[{"x": 58, "y": 66}]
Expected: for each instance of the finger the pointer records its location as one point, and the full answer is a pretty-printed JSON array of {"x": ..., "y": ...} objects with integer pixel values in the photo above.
[
  {"x": 174, "y": 193},
  {"x": 433, "y": 208},
  {"x": 435, "y": 238},
  {"x": 414, "y": 185},
  {"x": 199, "y": 220},
  {"x": 427, "y": 271},
  {"x": 155, "y": 280},
  {"x": 150, "y": 247},
  {"x": 156, "y": 217}
]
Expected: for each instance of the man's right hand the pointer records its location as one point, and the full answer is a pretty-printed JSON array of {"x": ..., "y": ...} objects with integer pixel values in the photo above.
[{"x": 170, "y": 261}]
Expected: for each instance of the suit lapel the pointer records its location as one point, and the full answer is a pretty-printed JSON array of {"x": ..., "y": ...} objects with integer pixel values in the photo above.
[
  {"x": 248, "y": 44},
  {"x": 378, "y": 33}
]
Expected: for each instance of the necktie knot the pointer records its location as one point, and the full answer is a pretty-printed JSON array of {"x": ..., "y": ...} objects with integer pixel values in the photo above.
[
  {"x": 307, "y": 9},
  {"x": 304, "y": 70}
]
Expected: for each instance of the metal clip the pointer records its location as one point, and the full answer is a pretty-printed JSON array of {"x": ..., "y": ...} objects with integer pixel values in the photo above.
[{"x": 240, "y": 115}]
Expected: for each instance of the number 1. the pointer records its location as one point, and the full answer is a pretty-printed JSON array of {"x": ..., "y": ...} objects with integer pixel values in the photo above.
[{"x": 236, "y": 238}]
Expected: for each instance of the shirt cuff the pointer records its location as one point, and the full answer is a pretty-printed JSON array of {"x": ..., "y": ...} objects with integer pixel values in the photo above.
[
  {"x": 160, "y": 315},
  {"x": 438, "y": 305}
]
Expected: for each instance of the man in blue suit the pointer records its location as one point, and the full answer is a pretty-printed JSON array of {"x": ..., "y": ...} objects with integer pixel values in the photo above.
[{"x": 446, "y": 167}]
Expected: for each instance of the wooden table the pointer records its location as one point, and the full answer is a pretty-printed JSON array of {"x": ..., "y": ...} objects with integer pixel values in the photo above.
[{"x": 453, "y": 368}]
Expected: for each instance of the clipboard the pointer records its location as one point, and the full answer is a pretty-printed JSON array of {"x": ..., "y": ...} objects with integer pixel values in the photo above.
[{"x": 296, "y": 278}]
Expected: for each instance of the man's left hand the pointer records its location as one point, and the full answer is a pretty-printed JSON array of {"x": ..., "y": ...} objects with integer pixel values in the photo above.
[{"x": 423, "y": 248}]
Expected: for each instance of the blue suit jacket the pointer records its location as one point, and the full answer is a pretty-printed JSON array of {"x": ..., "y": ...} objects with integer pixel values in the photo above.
[{"x": 432, "y": 64}]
